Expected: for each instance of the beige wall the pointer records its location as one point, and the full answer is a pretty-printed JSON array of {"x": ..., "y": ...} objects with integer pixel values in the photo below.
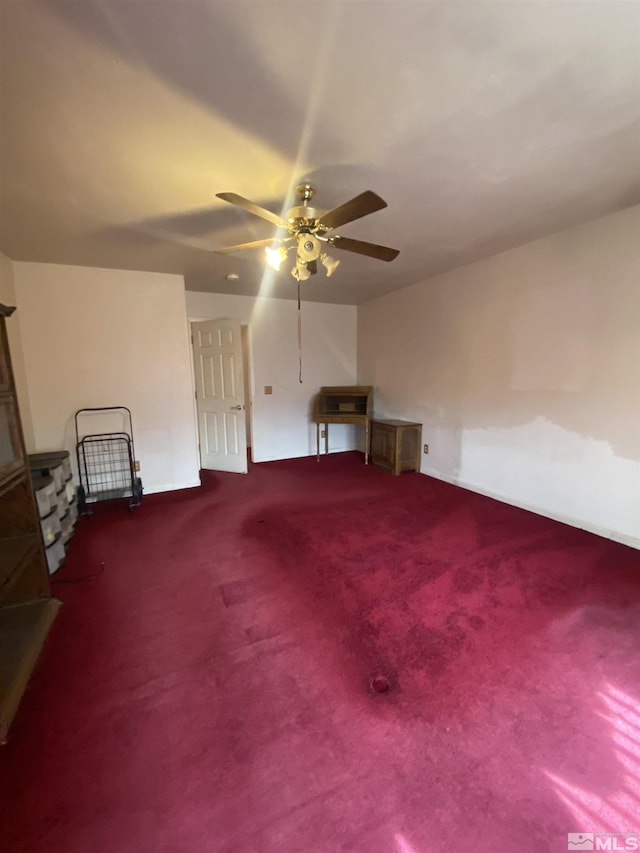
[
  {"x": 96, "y": 337},
  {"x": 525, "y": 370},
  {"x": 281, "y": 426}
]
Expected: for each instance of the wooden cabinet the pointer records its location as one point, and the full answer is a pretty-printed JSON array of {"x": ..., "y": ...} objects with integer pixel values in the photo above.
[
  {"x": 395, "y": 445},
  {"x": 26, "y": 607},
  {"x": 345, "y": 404}
]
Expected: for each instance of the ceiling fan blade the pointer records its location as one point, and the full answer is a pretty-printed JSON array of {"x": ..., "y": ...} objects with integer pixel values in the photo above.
[
  {"x": 254, "y": 208},
  {"x": 382, "y": 253},
  {"x": 254, "y": 244},
  {"x": 362, "y": 205}
]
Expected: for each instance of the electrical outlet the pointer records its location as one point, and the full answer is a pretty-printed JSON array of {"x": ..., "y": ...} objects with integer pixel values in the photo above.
[
  {"x": 136, "y": 465},
  {"x": 323, "y": 433},
  {"x": 426, "y": 448}
]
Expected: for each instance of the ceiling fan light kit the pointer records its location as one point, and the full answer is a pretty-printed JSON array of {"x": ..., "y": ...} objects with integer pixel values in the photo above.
[
  {"x": 307, "y": 228},
  {"x": 275, "y": 257}
]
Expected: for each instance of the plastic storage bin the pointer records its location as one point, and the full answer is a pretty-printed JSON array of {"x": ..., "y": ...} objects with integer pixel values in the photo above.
[{"x": 56, "y": 498}]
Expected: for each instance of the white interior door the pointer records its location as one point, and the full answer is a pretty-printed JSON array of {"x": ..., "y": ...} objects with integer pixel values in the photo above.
[{"x": 218, "y": 368}]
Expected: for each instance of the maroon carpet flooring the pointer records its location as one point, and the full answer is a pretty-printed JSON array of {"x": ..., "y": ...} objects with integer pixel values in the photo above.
[{"x": 214, "y": 689}]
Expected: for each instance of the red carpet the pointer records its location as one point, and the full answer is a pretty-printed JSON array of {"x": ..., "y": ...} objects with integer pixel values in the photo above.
[{"x": 213, "y": 690}]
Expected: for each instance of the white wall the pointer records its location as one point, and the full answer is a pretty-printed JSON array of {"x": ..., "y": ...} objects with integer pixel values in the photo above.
[
  {"x": 524, "y": 369},
  {"x": 281, "y": 426},
  {"x": 8, "y": 297},
  {"x": 97, "y": 337}
]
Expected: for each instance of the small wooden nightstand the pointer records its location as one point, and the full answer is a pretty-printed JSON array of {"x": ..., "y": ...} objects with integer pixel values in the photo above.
[{"x": 395, "y": 445}]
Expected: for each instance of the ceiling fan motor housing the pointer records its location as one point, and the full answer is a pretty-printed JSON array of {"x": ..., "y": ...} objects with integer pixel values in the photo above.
[{"x": 302, "y": 216}]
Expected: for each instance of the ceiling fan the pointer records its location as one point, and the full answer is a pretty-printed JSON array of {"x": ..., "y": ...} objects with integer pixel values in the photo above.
[{"x": 307, "y": 230}]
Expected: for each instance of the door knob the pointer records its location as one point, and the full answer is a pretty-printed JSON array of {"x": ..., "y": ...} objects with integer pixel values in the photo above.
[{"x": 237, "y": 408}]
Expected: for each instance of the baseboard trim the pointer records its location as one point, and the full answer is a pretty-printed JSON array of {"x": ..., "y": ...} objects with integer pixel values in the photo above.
[
  {"x": 170, "y": 487},
  {"x": 304, "y": 455},
  {"x": 605, "y": 532}
]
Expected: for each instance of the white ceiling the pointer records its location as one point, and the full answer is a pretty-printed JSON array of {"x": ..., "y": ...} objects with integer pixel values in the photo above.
[{"x": 484, "y": 125}]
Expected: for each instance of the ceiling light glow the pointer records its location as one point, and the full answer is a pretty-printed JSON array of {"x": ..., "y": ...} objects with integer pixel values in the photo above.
[{"x": 275, "y": 257}]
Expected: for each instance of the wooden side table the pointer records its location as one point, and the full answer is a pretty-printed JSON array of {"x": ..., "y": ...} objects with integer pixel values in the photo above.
[{"x": 395, "y": 445}]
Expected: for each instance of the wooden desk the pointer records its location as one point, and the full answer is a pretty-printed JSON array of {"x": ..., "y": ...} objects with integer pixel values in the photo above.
[
  {"x": 395, "y": 445},
  {"x": 345, "y": 404}
]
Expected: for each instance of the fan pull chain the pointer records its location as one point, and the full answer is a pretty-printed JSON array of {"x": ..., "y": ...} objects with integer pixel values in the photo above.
[{"x": 299, "y": 337}]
